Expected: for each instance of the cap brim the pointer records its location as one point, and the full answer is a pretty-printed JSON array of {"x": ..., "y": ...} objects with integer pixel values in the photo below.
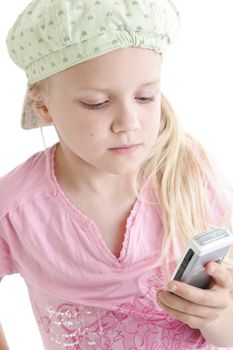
[{"x": 29, "y": 119}]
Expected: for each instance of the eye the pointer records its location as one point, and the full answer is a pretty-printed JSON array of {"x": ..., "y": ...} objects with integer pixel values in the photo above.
[
  {"x": 95, "y": 106},
  {"x": 103, "y": 104},
  {"x": 146, "y": 99}
]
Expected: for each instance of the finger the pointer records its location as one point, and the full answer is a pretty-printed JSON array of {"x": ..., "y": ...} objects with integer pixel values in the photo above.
[
  {"x": 179, "y": 304},
  {"x": 206, "y": 297},
  {"x": 221, "y": 275},
  {"x": 193, "y": 321}
]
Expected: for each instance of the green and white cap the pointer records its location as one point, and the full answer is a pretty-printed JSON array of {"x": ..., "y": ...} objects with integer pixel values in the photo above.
[{"x": 52, "y": 35}]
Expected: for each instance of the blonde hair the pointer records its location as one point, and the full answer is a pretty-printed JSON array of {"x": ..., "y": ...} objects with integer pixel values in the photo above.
[
  {"x": 181, "y": 177},
  {"x": 40, "y": 91}
]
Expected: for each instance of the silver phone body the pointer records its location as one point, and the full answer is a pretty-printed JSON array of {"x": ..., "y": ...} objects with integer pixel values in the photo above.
[{"x": 203, "y": 248}]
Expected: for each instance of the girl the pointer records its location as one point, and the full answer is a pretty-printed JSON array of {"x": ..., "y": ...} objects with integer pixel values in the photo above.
[{"x": 96, "y": 223}]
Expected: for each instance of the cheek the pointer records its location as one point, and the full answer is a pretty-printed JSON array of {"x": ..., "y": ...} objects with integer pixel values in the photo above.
[
  {"x": 73, "y": 123},
  {"x": 153, "y": 131},
  {"x": 152, "y": 127},
  {"x": 152, "y": 123},
  {"x": 157, "y": 116}
]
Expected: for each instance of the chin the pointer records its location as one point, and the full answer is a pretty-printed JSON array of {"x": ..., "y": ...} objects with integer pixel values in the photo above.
[{"x": 122, "y": 170}]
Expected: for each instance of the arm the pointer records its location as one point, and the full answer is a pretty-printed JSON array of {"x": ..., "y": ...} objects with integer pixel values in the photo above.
[
  {"x": 3, "y": 343},
  {"x": 209, "y": 310},
  {"x": 220, "y": 331},
  {"x": 223, "y": 326}
]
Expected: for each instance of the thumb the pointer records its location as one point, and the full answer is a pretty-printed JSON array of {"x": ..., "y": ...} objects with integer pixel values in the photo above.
[{"x": 221, "y": 276}]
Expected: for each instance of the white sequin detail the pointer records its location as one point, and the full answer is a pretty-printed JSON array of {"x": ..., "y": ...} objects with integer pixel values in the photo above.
[{"x": 72, "y": 325}]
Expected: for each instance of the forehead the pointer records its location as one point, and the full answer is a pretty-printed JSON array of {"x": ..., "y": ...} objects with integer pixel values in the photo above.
[{"x": 127, "y": 64}]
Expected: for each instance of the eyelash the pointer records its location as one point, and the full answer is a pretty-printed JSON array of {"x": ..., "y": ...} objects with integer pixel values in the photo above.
[{"x": 101, "y": 105}]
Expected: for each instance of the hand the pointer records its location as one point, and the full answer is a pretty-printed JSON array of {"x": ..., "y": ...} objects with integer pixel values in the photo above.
[{"x": 199, "y": 307}]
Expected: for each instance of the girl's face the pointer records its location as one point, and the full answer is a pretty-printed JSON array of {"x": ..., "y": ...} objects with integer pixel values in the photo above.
[{"x": 107, "y": 110}]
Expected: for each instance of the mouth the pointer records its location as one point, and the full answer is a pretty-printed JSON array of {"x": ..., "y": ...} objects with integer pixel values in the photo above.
[{"x": 125, "y": 149}]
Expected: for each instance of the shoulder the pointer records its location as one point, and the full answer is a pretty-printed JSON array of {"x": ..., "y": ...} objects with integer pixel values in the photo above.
[{"x": 22, "y": 183}]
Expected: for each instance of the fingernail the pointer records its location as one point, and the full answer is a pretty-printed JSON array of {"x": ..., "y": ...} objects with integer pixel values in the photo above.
[
  {"x": 171, "y": 287},
  {"x": 211, "y": 268}
]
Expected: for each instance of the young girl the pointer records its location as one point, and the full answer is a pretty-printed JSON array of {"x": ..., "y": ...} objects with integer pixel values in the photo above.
[{"x": 96, "y": 223}]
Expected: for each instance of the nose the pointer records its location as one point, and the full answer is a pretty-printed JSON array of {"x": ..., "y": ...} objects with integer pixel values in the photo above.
[{"x": 126, "y": 119}]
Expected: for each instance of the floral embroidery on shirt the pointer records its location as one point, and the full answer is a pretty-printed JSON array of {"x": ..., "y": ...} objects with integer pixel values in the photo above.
[{"x": 136, "y": 325}]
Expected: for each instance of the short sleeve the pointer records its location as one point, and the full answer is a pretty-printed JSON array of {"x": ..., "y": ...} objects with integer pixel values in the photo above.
[{"x": 7, "y": 266}]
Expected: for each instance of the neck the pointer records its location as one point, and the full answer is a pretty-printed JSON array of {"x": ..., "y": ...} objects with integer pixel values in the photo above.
[{"x": 77, "y": 176}]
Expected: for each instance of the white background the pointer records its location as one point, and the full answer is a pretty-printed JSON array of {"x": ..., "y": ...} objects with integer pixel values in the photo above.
[{"x": 197, "y": 78}]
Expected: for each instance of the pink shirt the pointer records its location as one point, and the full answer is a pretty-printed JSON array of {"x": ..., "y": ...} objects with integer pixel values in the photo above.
[{"x": 83, "y": 297}]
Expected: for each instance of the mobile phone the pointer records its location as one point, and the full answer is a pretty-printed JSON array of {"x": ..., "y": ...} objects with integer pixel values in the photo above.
[{"x": 203, "y": 248}]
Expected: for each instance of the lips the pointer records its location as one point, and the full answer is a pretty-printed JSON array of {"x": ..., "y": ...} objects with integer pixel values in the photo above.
[
  {"x": 124, "y": 146},
  {"x": 125, "y": 149}
]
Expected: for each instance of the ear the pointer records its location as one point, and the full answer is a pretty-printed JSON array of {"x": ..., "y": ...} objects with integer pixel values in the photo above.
[{"x": 41, "y": 110}]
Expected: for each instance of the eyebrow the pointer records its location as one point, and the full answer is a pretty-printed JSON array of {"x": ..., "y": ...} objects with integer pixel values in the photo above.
[
  {"x": 153, "y": 82},
  {"x": 150, "y": 83}
]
